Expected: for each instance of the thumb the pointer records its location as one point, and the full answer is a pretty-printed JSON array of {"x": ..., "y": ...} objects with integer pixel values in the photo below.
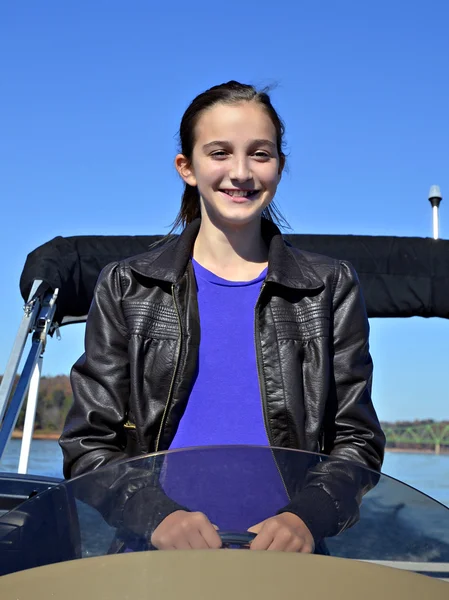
[{"x": 255, "y": 528}]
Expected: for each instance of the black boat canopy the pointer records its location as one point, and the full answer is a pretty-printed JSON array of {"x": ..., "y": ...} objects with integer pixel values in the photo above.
[{"x": 400, "y": 276}]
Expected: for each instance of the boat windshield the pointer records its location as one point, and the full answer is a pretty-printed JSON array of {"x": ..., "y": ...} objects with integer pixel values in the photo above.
[{"x": 116, "y": 508}]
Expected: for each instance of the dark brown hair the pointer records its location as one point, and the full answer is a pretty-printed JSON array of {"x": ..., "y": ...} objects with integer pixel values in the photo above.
[{"x": 231, "y": 92}]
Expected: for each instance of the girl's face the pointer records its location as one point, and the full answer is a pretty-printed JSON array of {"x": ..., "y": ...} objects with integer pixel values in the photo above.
[{"x": 235, "y": 163}]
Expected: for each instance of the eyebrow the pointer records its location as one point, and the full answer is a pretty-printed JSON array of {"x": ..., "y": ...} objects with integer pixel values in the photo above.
[{"x": 260, "y": 142}]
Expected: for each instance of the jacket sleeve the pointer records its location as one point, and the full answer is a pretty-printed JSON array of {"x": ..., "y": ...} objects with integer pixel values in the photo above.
[
  {"x": 93, "y": 434},
  {"x": 329, "y": 501},
  {"x": 354, "y": 431}
]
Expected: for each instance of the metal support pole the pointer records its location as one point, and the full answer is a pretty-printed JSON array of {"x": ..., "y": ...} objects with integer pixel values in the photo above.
[
  {"x": 43, "y": 323},
  {"x": 15, "y": 405},
  {"x": 30, "y": 416},
  {"x": 31, "y": 309},
  {"x": 435, "y": 222},
  {"x": 435, "y": 198}
]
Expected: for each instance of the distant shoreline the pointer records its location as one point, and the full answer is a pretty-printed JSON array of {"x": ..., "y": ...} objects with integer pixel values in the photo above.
[
  {"x": 17, "y": 435},
  {"x": 418, "y": 450}
]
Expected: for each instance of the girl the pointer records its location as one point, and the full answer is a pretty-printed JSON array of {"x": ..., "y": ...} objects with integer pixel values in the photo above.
[{"x": 279, "y": 335}]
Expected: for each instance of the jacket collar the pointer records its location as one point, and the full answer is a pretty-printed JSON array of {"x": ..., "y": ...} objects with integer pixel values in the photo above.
[
  {"x": 168, "y": 261},
  {"x": 286, "y": 266}
]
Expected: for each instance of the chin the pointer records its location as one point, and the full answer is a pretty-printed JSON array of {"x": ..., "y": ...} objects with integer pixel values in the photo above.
[
  {"x": 235, "y": 216},
  {"x": 238, "y": 218}
]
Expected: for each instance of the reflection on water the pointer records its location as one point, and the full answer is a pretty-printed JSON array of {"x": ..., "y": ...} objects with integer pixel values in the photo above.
[
  {"x": 45, "y": 458},
  {"x": 426, "y": 472}
]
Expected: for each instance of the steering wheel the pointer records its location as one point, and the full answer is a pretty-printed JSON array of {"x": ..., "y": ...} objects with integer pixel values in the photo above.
[
  {"x": 236, "y": 539},
  {"x": 229, "y": 539}
]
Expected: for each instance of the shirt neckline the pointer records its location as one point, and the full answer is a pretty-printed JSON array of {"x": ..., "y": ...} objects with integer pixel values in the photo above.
[{"x": 211, "y": 277}]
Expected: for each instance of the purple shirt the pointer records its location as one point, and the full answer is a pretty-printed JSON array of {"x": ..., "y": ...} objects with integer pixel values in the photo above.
[{"x": 225, "y": 403}]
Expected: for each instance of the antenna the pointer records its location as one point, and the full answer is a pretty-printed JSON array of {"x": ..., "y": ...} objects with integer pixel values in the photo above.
[{"x": 435, "y": 198}]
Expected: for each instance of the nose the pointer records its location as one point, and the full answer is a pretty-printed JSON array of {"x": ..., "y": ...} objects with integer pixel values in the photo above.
[{"x": 240, "y": 169}]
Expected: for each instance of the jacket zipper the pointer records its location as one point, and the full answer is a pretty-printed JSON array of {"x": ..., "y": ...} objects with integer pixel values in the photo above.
[{"x": 175, "y": 370}]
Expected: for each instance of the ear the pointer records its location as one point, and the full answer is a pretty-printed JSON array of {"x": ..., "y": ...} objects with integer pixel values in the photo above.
[
  {"x": 185, "y": 170},
  {"x": 281, "y": 167}
]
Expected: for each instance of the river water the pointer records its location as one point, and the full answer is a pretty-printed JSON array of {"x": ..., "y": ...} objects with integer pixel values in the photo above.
[{"x": 426, "y": 472}]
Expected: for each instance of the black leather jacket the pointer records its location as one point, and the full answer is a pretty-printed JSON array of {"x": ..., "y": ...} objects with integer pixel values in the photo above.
[{"x": 132, "y": 385}]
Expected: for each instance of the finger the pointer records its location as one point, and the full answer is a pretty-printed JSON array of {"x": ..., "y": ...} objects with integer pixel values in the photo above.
[
  {"x": 210, "y": 535},
  {"x": 186, "y": 534},
  {"x": 286, "y": 541},
  {"x": 256, "y": 528},
  {"x": 301, "y": 545},
  {"x": 181, "y": 543},
  {"x": 164, "y": 544},
  {"x": 263, "y": 540},
  {"x": 197, "y": 541},
  {"x": 306, "y": 548},
  {"x": 174, "y": 539}
]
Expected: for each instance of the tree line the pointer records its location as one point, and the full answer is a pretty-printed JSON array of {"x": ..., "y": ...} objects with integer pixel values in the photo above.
[{"x": 55, "y": 398}]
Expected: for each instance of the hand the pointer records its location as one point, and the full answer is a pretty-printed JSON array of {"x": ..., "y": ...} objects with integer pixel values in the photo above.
[
  {"x": 285, "y": 532},
  {"x": 183, "y": 530}
]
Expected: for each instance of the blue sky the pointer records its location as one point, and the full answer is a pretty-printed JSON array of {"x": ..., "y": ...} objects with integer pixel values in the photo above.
[{"x": 93, "y": 92}]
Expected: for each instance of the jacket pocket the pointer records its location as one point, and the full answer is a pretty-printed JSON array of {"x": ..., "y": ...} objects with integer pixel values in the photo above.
[{"x": 131, "y": 442}]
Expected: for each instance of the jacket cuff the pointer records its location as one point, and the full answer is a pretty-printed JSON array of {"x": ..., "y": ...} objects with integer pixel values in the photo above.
[
  {"x": 146, "y": 509},
  {"x": 318, "y": 511}
]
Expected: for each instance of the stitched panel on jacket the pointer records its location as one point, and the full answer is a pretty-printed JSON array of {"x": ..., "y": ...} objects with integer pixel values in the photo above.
[
  {"x": 151, "y": 320},
  {"x": 301, "y": 322}
]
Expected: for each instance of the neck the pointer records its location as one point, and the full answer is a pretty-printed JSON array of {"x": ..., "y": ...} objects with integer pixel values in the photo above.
[{"x": 233, "y": 253}]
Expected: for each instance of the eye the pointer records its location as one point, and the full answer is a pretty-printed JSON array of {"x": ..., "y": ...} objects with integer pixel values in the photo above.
[
  {"x": 262, "y": 154},
  {"x": 219, "y": 154}
]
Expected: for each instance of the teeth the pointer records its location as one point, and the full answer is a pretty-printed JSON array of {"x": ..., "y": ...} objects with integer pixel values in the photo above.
[{"x": 241, "y": 193}]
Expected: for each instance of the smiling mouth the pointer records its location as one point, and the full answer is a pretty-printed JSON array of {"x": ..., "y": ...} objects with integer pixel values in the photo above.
[{"x": 240, "y": 194}]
